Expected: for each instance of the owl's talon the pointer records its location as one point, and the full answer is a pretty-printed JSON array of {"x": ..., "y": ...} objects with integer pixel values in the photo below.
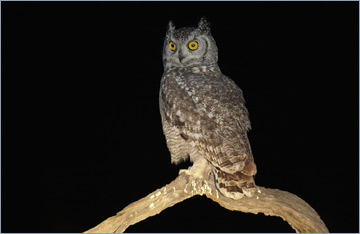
[
  {"x": 186, "y": 171},
  {"x": 182, "y": 171}
]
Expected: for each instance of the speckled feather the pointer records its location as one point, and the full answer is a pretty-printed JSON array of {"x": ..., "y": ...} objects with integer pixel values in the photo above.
[{"x": 204, "y": 115}]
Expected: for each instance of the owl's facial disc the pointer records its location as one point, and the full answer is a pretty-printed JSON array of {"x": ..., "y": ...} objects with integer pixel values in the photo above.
[{"x": 185, "y": 52}]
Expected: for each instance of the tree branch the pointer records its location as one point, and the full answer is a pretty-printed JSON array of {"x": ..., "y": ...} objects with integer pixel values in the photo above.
[{"x": 300, "y": 216}]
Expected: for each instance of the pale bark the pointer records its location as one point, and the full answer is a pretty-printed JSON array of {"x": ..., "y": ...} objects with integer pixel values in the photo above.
[{"x": 300, "y": 216}]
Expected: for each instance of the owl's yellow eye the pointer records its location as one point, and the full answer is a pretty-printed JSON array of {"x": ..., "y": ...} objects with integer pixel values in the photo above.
[
  {"x": 172, "y": 46},
  {"x": 193, "y": 45}
]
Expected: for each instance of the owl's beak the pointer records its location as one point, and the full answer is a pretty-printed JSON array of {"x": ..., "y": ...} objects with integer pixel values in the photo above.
[{"x": 181, "y": 56}]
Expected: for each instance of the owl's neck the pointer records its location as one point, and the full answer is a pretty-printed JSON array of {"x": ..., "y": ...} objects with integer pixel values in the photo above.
[{"x": 196, "y": 68}]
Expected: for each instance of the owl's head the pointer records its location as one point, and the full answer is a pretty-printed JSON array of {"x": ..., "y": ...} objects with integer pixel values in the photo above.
[{"x": 189, "y": 46}]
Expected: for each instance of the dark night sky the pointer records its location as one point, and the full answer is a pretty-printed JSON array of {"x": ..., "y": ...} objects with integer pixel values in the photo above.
[{"x": 81, "y": 129}]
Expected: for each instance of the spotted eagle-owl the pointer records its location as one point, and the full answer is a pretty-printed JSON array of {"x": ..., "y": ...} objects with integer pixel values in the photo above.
[{"x": 203, "y": 111}]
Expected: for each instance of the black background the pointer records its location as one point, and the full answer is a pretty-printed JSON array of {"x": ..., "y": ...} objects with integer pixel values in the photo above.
[{"x": 81, "y": 129}]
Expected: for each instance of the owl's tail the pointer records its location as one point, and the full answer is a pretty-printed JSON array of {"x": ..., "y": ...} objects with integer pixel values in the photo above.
[{"x": 237, "y": 184}]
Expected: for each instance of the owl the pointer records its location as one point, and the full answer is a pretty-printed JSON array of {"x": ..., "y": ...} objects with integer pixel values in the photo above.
[{"x": 203, "y": 112}]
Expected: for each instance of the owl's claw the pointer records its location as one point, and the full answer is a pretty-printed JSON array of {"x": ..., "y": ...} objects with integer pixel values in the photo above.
[
  {"x": 196, "y": 170},
  {"x": 186, "y": 171}
]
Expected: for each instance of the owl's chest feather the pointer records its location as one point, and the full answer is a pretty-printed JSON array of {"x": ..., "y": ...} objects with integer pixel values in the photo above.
[
  {"x": 190, "y": 84},
  {"x": 191, "y": 95},
  {"x": 202, "y": 94}
]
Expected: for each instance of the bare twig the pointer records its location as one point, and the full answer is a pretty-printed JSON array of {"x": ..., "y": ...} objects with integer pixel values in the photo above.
[{"x": 274, "y": 202}]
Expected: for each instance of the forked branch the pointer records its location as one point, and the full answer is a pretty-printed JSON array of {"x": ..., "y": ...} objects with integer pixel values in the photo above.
[{"x": 300, "y": 215}]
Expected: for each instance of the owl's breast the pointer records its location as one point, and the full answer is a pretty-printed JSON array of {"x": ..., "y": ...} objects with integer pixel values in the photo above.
[
  {"x": 192, "y": 84},
  {"x": 178, "y": 98},
  {"x": 204, "y": 96},
  {"x": 189, "y": 100},
  {"x": 186, "y": 89}
]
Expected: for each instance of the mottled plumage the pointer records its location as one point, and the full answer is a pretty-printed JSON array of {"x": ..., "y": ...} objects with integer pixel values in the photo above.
[{"x": 203, "y": 112}]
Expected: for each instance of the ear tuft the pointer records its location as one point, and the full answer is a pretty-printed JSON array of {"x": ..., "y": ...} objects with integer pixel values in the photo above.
[
  {"x": 170, "y": 27},
  {"x": 204, "y": 25}
]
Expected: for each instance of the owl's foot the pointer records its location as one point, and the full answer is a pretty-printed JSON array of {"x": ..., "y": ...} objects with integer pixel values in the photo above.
[
  {"x": 197, "y": 182},
  {"x": 197, "y": 169},
  {"x": 186, "y": 171}
]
